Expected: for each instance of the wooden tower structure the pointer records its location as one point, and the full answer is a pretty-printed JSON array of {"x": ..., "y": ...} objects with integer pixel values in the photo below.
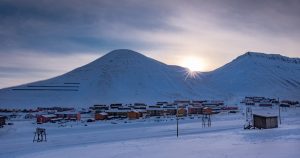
[
  {"x": 40, "y": 135},
  {"x": 206, "y": 117}
]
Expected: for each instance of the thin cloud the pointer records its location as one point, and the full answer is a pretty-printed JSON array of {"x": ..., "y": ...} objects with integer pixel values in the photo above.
[{"x": 45, "y": 34}]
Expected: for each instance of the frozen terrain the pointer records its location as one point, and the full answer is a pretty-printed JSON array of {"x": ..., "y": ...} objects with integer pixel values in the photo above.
[
  {"x": 125, "y": 76},
  {"x": 259, "y": 74},
  {"x": 156, "y": 138}
]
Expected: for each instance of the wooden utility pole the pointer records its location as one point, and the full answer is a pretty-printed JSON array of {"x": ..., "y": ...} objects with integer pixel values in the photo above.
[
  {"x": 177, "y": 119},
  {"x": 279, "y": 111},
  {"x": 279, "y": 114}
]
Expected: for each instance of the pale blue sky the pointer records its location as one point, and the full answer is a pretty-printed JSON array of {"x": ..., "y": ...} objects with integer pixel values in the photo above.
[{"x": 41, "y": 39}]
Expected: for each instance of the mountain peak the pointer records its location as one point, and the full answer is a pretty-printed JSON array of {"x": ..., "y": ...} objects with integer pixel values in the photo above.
[
  {"x": 123, "y": 53},
  {"x": 260, "y": 54},
  {"x": 120, "y": 57},
  {"x": 273, "y": 57}
]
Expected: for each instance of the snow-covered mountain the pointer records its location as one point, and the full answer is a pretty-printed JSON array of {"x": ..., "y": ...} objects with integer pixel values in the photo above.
[
  {"x": 121, "y": 76},
  {"x": 125, "y": 76},
  {"x": 259, "y": 74}
]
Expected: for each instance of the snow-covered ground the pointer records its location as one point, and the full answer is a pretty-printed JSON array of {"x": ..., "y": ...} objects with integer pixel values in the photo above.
[{"x": 156, "y": 138}]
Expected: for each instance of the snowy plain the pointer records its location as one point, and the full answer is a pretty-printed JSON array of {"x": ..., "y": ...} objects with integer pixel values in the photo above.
[{"x": 156, "y": 137}]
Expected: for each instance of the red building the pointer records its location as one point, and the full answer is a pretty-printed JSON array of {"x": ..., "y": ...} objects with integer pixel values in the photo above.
[
  {"x": 207, "y": 111},
  {"x": 132, "y": 115},
  {"x": 58, "y": 116},
  {"x": 101, "y": 116},
  {"x": 45, "y": 118},
  {"x": 194, "y": 110}
]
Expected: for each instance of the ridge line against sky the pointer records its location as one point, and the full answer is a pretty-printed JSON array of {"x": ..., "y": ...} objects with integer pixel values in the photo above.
[{"x": 42, "y": 39}]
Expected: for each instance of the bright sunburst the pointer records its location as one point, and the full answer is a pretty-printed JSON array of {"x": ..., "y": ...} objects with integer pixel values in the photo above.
[
  {"x": 191, "y": 74},
  {"x": 193, "y": 63}
]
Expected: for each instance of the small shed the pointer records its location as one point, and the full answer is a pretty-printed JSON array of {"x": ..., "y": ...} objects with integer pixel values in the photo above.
[
  {"x": 101, "y": 116},
  {"x": 2, "y": 121},
  {"x": 132, "y": 115},
  {"x": 265, "y": 121}
]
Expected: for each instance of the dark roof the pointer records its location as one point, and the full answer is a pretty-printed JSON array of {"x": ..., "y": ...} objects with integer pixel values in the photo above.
[{"x": 265, "y": 115}]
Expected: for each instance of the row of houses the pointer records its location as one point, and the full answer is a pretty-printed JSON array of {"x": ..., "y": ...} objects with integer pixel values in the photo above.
[
  {"x": 136, "y": 114},
  {"x": 289, "y": 103},
  {"x": 268, "y": 102},
  {"x": 119, "y": 110},
  {"x": 66, "y": 115},
  {"x": 137, "y": 110},
  {"x": 261, "y": 101}
]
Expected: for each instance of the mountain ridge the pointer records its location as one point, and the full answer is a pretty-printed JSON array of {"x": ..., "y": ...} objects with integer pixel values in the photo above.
[
  {"x": 127, "y": 76},
  {"x": 271, "y": 57}
]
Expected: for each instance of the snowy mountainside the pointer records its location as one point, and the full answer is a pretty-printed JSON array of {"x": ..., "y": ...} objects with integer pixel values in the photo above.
[
  {"x": 120, "y": 76},
  {"x": 125, "y": 76},
  {"x": 259, "y": 74}
]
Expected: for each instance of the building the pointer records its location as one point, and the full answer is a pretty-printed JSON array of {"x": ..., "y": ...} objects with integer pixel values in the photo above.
[
  {"x": 116, "y": 106},
  {"x": 45, "y": 118},
  {"x": 2, "y": 121},
  {"x": 207, "y": 111},
  {"x": 155, "y": 111},
  {"x": 68, "y": 115},
  {"x": 132, "y": 115},
  {"x": 139, "y": 106},
  {"x": 265, "y": 121},
  {"x": 230, "y": 108},
  {"x": 210, "y": 104},
  {"x": 283, "y": 105},
  {"x": 161, "y": 103},
  {"x": 249, "y": 103},
  {"x": 100, "y": 108},
  {"x": 169, "y": 110},
  {"x": 181, "y": 112},
  {"x": 117, "y": 113},
  {"x": 101, "y": 116},
  {"x": 194, "y": 110},
  {"x": 198, "y": 101}
]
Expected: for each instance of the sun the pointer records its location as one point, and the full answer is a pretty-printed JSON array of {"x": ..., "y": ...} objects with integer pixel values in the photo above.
[{"x": 193, "y": 63}]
